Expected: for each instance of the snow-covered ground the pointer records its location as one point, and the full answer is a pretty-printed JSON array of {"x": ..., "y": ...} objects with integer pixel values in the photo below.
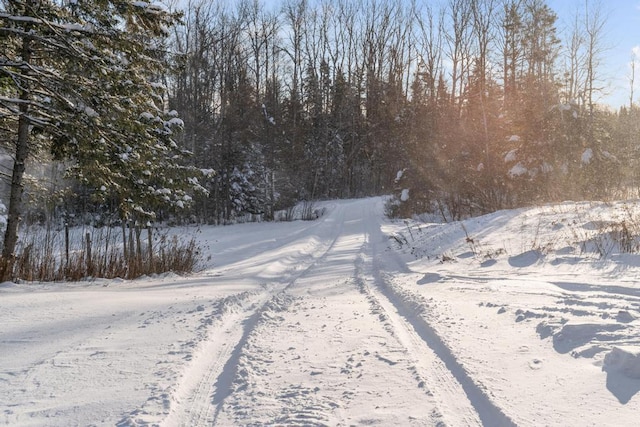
[{"x": 506, "y": 319}]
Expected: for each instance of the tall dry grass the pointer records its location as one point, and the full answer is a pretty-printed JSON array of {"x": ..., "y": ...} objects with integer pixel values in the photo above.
[{"x": 49, "y": 255}]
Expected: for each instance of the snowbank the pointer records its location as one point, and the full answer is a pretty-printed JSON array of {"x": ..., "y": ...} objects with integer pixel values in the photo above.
[{"x": 624, "y": 360}]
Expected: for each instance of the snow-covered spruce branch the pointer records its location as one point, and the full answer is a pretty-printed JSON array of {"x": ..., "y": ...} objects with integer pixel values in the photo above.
[
  {"x": 49, "y": 41},
  {"x": 9, "y": 101},
  {"x": 30, "y": 73},
  {"x": 11, "y": 108},
  {"x": 88, "y": 29}
]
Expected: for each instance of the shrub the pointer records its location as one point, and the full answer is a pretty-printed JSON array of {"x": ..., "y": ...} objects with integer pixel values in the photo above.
[{"x": 69, "y": 255}]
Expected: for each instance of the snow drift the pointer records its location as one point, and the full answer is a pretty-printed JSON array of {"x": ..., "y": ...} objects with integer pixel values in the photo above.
[{"x": 525, "y": 317}]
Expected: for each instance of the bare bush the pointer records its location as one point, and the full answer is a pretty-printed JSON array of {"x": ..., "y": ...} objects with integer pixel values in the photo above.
[
  {"x": 49, "y": 255},
  {"x": 308, "y": 212},
  {"x": 608, "y": 235}
]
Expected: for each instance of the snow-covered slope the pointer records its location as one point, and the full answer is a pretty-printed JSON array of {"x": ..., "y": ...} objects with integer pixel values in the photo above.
[{"x": 513, "y": 318}]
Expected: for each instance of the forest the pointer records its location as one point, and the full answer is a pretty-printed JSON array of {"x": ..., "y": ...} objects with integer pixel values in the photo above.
[
  {"x": 212, "y": 112},
  {"x": 469, "y": 107}
]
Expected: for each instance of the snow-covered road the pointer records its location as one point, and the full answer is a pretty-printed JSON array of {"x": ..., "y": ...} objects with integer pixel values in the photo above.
[
  {"x": 329, "y": 323},
  {"x": 330, "y": 348}
]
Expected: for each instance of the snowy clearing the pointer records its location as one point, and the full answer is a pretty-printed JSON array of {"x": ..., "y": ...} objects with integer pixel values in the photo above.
[{"x": 506, "y": 319}]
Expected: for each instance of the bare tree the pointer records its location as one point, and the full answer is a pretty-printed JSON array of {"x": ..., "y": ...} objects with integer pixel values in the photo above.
[
  {"x": 510, "y": 36},
  {"x": 295, "y": 12},
  {"x": 594, "y": 24},
  {"x": 429, "y": 45},
  {"x": 574, "y": 71},
  {"x": 632, "y": 76},
  {"x": 483, "y": 19},
  {"x": 483, "y": 12},
  {"x": 458, "y": 39}
]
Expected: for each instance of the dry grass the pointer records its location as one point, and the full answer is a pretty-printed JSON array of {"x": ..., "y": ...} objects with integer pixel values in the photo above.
[{"x": 48, "y": 255}]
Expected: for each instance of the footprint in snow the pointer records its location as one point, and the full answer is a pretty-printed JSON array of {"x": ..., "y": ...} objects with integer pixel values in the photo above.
[
  {"x": 430, "y": 278},
  {"x": 525, "y": 259},
  {"x": 488, "y": 263},
  {"x": 535, "y": 364}
]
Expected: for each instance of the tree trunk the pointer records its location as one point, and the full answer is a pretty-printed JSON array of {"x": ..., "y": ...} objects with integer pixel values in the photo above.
[
  {"x": 150, "y": 236},
  {"x": 89, "y": 255},
  {"x": 17, "y": 186}
]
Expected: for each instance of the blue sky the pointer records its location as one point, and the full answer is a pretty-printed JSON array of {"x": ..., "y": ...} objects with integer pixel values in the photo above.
[{"x": 621, "y": 35}]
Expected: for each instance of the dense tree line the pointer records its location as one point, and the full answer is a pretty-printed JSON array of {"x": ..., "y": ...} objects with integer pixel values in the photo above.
[
  {"x": 81, "y": 85},
  {"x": 471, "y": 106},
  {"x": 462, "y": 108}
]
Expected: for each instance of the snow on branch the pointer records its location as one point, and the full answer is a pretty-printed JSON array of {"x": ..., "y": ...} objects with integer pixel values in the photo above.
[{"x": 88, "y": 28}]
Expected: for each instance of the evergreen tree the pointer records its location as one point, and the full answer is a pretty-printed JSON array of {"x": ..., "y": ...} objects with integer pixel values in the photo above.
[{"x": 82, "y": 80}]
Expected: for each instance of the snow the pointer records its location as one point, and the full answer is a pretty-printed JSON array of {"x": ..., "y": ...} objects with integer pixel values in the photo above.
[
  {"x": 587, "y": 155},
  {"x": 623, "y": 360},
  {"x": 149, "y": 7},
  {"x": 147, "y": 116},
  {"x": 72, "y": 27},
  {"x": 175, "y": 122},
  {"x": 142, "y": 4},
  {"x": 90, "y": 112},
  {"x": 404, "y": 195},
  {"x": 511, "y": 156},
  {"x": 351, "y": 319},
  {"x": 517, "y": 170}
]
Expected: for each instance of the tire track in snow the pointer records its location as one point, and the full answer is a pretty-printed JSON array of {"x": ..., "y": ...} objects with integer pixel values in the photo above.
[
  {"x": 209, "y": 380},
  {"x": 191, "y": 401},
  {"x": 266, "y": 395},
  {"x": 224, "y": 384},
  {"x": 454, "y": 406},
  {"x": 296, "y": 405},
  {"x": 461, "y": 401}
]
